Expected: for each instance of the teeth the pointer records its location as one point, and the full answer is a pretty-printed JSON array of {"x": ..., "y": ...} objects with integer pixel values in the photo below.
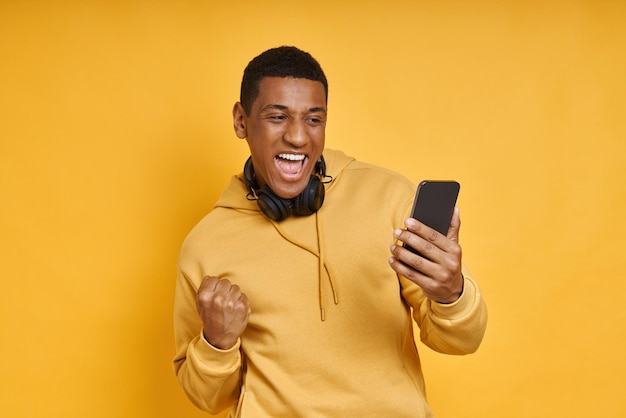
[{"x": 291, "y": 157}]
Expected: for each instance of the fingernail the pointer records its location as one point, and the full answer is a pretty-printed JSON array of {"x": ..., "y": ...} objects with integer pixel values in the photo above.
[{"x": 397, "y": 232}]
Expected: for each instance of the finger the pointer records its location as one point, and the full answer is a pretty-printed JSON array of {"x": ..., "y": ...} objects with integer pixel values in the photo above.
[
  {"x": 243, "y": 298},
  {"x": 423, "y": 230},
  {"x": 409, "y": 261},
  {"x": 410, "y": 273},
  {"x": 419, "y": 236},
  {"x": 244, "y": 303},
  {"x": 209, "y": 283},
  {"x": 224, "y": 286},
  {"x": 212, "y": 290},
  {"x": 234, "y": 292},
  {"x": 455, "y": 225}
]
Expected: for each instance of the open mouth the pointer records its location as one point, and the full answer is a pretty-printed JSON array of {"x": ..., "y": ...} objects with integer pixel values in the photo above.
[{"x": 290, "y": 164}]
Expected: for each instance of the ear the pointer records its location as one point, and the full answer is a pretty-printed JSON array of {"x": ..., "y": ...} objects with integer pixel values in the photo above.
[{"x": 239, "y": 121}]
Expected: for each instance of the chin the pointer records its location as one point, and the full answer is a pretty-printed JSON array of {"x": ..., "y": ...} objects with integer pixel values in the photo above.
[{"x": 288, "y": 192}]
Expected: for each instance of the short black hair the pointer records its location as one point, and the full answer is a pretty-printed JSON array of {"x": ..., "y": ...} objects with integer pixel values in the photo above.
[{"x": 283, "y": 61}]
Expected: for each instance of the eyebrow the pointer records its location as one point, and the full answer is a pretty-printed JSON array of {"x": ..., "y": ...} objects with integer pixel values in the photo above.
[{"x": 283, "y": 107}]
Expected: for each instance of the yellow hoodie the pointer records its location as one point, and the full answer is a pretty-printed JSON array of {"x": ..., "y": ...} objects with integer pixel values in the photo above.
[{"x": 330, "y": 333}]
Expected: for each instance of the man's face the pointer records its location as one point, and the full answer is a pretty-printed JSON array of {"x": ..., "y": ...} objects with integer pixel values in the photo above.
[{"x": 285, "y": 132}]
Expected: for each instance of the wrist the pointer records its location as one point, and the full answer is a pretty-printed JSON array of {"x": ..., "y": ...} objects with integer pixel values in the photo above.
[
  {"x": 220, "y": 344},
  {"x": 456, "y": 296}
]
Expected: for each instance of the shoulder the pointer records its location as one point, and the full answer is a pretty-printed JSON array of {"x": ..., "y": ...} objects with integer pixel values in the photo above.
[
  {"x": 354, "y": 173},
  {"x": 374, "y": 188}
]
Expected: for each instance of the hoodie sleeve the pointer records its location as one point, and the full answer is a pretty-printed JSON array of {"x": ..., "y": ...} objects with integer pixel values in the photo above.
[
  {"x": 456, "y": 328},
  {"x": 209, "y": 376}
]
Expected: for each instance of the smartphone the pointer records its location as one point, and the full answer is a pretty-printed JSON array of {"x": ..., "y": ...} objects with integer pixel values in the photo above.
[{"x": 434, "y": 205}]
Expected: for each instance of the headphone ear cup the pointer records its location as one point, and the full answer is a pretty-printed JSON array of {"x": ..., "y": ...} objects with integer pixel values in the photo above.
[
  {"x": 311, "y": 199},
  {"x": 273, "y": 206}
]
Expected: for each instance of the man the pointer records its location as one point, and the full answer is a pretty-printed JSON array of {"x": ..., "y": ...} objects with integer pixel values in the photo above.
[{"x": 294, "y": 296}]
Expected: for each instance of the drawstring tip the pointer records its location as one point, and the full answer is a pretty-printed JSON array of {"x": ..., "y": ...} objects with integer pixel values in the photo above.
[
  {"x": 336, "y": 298},
  {"x": 323, "y": 313}
]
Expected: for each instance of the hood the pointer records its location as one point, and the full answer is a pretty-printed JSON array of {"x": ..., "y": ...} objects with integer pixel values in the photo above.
[{"x": 235, "y": 197}]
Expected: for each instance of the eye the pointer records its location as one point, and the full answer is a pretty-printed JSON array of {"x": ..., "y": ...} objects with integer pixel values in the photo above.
[
  {"x": 277, "y": 117},
  {"x": 315, "y": 120}
]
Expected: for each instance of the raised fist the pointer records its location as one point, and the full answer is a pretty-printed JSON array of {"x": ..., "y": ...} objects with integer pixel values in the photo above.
[{"x": 224, "y": 310}]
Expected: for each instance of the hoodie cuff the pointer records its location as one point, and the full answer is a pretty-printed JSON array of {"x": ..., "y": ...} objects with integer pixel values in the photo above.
[
  {"x": 459, "y": 307},
  {"x": 217, "y": 359}
]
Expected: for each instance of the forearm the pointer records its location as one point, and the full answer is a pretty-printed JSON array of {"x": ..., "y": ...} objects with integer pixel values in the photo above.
[{"x": 209, "y": 376}]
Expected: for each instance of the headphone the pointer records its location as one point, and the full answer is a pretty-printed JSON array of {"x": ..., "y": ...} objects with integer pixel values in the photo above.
[{"x": 276, "y": 208}]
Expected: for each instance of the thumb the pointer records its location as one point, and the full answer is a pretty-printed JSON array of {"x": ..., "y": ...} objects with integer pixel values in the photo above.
[{"x": 455, "y": 225}]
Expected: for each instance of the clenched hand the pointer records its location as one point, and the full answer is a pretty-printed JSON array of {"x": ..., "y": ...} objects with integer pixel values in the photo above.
[{"x": 224, "y": 310}]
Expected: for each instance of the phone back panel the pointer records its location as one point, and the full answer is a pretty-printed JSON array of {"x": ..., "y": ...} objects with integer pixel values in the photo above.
[{"x": 434, "y": 203}]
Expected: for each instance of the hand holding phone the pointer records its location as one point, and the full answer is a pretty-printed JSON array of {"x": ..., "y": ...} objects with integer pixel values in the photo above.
[{"x": 439, "y": 276}]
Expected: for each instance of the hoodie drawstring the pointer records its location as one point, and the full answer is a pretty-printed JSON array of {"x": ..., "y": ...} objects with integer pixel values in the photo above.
[
  {"x": 319, "y": 253},
  {"x": 322, "y": 265}
]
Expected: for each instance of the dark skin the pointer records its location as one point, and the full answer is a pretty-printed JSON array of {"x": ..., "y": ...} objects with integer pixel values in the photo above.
[
  {"x": 439, "y": 275},
  {"x": 224, "y": 310}
]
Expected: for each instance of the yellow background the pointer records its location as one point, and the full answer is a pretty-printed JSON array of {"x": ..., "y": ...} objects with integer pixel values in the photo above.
[{"x": 116, "y": 138}]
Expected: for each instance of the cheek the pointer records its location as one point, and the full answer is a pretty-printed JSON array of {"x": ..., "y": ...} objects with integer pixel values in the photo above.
[
  {"x": 317, "y": 134},
  {"x": 265, "y": 133}
]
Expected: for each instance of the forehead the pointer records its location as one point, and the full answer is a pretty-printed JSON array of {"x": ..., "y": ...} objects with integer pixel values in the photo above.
[{"x": 290, "y": 92}]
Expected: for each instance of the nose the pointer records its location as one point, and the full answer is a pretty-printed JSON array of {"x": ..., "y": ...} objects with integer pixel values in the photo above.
[{"x": 296, "y": 134}]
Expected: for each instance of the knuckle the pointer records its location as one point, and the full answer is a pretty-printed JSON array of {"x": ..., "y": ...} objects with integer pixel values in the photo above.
[
  {"x": 411, "y": 275},
  {"x": 223, "y": 285},
  {"x": 219, "y": 300},
  {"x": 452, "y": 264},
  {"x": 241, "y": 308},
  {"x": 434, "y": 287},
  {"x": 209, "y": 281},
  {"x": 204, "y": 297},
  {"x": 244, "y": 299},
  {"x": 244, "y": 302},
  {"x": 428, "y": 248},
  {"x": 417, "y": 263},
  {"x": 448, "y": 277},
  {"x": 456, "y": 266}
]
